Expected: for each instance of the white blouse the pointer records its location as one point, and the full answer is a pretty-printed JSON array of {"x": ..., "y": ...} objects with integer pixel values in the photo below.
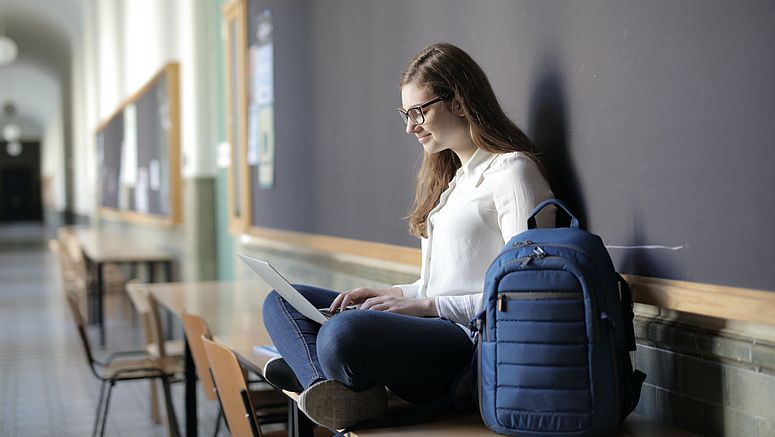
[{"x": 486, "y": 203}]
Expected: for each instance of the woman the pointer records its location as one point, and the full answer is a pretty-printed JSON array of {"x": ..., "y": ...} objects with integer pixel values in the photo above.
[{"x": 479, "y": 180}]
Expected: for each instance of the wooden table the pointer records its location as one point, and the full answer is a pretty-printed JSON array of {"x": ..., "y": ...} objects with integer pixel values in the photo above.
[
  {"x": 102, "y": 247},
  {"x": 233, "y": 312},
  {"x": 231, "y": 309}
]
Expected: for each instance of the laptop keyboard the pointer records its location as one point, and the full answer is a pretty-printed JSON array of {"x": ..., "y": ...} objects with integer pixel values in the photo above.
[{"x": 329, "y": 314}]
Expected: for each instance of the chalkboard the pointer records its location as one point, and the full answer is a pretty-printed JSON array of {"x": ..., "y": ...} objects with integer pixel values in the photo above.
[
  {"x": 654, "y": 116},
  {"x": 139, "y": 153}
]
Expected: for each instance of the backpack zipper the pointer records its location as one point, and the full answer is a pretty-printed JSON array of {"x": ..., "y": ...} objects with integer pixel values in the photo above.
[{"x": 503, "y": 298}]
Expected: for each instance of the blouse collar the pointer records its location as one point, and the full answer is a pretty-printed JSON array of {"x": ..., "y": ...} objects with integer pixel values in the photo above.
[{"x": 477, "y": 164}]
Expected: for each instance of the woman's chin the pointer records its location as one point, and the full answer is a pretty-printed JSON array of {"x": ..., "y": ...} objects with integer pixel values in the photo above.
[{"x": 432, "y": 148}]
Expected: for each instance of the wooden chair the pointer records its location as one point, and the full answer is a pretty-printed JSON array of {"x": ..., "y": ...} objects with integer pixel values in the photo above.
[
  {"x": 156, "y": 346},
  {"x": 73, "y": 265},
  {"x": 195, "y": 328},
  {"x": 238, "y": 405},
  {"x": 120, "y": 367},
  {"x": 270, "y": 404}
]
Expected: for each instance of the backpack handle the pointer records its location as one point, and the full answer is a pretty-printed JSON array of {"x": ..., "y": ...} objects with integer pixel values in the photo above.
[{"x": 531, "y": 219}]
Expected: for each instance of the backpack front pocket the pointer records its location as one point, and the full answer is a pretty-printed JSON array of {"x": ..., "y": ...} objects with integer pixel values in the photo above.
[{"x": 542, "y": 356}]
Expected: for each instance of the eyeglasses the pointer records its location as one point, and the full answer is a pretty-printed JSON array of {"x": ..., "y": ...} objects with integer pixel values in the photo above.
[{"x": 415, "y": 112}]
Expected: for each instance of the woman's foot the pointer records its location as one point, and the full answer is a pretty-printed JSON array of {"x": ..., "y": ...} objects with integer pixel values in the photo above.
[{"x": 333, "y": 405}]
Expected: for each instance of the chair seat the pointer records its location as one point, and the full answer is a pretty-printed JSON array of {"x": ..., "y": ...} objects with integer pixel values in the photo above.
[{"x": 127, "y": 369}]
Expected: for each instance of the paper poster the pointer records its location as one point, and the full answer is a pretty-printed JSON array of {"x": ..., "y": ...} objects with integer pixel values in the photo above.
[
  {"x": 263, "y": 85},
  {"x": 154, "y": 174},
  {"x": 266, "y": 147},
  {"x": 254, "y": 138},
  {"x": 141, "y": 190},
  {"x": 129, "y": 147}
]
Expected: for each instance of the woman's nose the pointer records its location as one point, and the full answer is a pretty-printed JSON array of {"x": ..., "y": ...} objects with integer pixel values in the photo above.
[{"x": 411, "y": 126}]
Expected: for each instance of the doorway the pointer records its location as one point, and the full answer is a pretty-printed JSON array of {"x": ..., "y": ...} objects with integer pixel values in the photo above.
[{"x": 20, "y": 183}]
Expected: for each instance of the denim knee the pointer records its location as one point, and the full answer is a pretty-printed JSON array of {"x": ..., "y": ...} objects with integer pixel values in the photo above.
[
  {"x": 341, "y": 345},
  {"x": 272, "y": 304}
]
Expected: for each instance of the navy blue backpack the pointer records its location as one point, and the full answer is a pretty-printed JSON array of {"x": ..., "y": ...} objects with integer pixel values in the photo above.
[{"x": 555, "y": 335}]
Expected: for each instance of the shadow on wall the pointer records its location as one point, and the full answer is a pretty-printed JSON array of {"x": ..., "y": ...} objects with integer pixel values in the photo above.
[{"x": 548, "y": 126}]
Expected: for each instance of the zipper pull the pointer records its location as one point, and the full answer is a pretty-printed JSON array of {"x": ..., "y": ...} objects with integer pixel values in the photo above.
[
  {"x": 538, "y": 252},
  {"x": 502, "y": 303}
]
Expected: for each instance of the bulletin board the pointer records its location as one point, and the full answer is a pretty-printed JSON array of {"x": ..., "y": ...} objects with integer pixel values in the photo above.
[{"x": 138, "y": 151}]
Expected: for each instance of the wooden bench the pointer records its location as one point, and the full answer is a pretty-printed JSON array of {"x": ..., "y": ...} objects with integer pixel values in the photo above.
[
  {"x": 452, "y": 424},
  {"x": 233, "y": 311}
]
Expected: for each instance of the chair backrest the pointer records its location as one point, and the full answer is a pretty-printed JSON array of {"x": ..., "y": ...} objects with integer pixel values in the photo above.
[
  {"x": 155, "y": 325},
  {"x": 195, "y": 328},
  {"x": 70, "y": 249},
  {"x": 231, "y": 381},
  {"x": 80, "y": 324},
  {"x": 148, "y": 308}
]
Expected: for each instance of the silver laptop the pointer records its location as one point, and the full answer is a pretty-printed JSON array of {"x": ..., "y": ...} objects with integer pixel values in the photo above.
[{"x": 286, "y": 290}]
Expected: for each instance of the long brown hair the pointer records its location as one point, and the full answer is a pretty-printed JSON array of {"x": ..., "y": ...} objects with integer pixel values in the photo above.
[{"x": 445, "y": 69}]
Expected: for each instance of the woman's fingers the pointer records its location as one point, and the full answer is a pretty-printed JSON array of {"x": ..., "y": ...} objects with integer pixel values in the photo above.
[
  {"x": 387, "y": 306},
  {"x": 349, "y": 297},
  {"x": 370, "y": 302},
  {"x": 337, "y": 302}
]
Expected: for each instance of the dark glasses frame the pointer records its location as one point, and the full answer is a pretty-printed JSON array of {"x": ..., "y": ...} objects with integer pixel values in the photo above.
[{"x": 407, "y": 114}]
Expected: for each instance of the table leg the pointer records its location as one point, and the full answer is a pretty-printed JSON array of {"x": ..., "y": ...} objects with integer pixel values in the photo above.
[
  {"x": 190, "y": 376},
  {"x": 100, "y": 307},
  {"x": 299, "y": 425},
  {"x": 91, "y": 298},
  {"x": 168, "y": 278},
  {"x": 168, "y": 271}
]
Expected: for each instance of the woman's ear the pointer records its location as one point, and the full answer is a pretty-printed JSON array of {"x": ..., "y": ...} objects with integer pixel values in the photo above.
[{"x": 457, "y": 108}]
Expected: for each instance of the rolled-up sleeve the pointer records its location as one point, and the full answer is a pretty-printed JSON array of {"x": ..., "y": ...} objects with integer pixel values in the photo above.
[
  {"x": 410, "y": 290},
  {"x": 459, "y": 309}
]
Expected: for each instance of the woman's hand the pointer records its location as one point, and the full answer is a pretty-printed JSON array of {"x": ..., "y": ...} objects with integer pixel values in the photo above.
[
  {"x": 359, "y": 295},
  {"x": 425, "y": 307}
]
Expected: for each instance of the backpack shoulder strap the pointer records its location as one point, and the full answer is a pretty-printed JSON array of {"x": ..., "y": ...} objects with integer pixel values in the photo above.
[{"x": 628, "y": 315}]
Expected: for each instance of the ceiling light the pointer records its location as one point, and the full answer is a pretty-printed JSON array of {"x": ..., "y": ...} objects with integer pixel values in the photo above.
[
  {"x": 12, "y": 132},
  {"x": 14, "y": 148},
  {"x": 8, "y": 50}
]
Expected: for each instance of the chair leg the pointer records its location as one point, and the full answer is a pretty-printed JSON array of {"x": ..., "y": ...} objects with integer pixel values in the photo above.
[
  {"x": 107, "y": 405},
  {"x": 155, "y": 413},
  {"x": 99, "y": 409},
  {"x": 218, "y": 420},
  {"x": 172, "y": 421}
]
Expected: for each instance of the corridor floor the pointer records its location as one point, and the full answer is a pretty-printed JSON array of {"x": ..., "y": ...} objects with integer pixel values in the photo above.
[{"x": 46, "y": 387}]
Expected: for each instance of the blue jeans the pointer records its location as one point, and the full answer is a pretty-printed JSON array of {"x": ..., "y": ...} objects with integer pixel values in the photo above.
[{"x": 417, "y": 358}]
